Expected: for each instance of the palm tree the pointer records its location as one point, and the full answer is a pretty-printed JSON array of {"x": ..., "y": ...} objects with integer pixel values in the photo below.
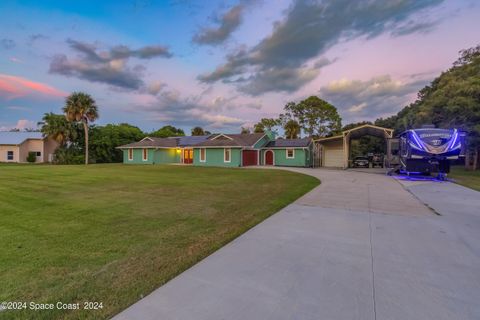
[
  {"x": 55, "y": 126},
  {"x": 292, "y": 129},
  {"x": 80, "y": 107}
]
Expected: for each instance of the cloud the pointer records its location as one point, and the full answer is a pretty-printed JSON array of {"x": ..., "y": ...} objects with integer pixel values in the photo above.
[
  {"x": 15, "y": 60},
  {"x": 34, "y": 37},
  {"x": 7, "y": 44},
  {"x": 228, "y": 23},
  {"x": 309, "y": 29},
  {"x": 109, "y": 67},
  {"x": 278, "y": 80},
  {"x": 12, "y": 87},
  {"x": 18, "y": 108},
  {"x": 368, "y": 100},
  {"x": 21, "y": 124},
  {"x": 169, "y": 106}
]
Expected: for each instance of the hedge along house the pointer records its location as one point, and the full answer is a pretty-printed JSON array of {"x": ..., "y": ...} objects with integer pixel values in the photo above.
[
  {"x": 288, "y": 153},
  {"x": 16, "y": 145},
  {"x": 231, "y": 150},
  {"x": 151, "y": 150}
]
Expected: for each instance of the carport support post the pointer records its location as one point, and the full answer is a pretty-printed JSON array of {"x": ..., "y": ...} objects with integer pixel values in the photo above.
[{"x": 346, "y": 149}]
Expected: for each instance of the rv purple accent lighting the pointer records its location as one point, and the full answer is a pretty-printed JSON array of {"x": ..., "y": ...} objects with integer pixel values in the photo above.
[
  {"x": 451, "y": 145},
  {"x": 417, "y": 141}
]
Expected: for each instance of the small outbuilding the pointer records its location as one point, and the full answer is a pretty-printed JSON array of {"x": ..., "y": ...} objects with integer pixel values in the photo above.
[{"x": 334, "y": 151}]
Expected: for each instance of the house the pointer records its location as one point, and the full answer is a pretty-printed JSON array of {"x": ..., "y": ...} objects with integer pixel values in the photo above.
[
  {"x": 16, "y": 145},
  {"x": 151, "y": 150},
  {"x": 288, "y": 153},
  {"x": 224, "y": 150},
  {"x": 231, "y": 150}
]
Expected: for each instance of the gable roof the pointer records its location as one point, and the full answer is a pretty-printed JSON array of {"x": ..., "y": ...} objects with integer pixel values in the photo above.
[
  {"x": 232, "y": 140},
  {"x": 170, "y": 142},
  {"x": 191, "y": 140},
  {"x": 18, "y": 137},
  {"x": 289, "y": 143}
]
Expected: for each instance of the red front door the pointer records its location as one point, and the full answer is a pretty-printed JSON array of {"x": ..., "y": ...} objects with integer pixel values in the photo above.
[
  {"x": 249, "y": 157},
  {"x": 187, "y": 156},
  {"x": 269, "y": 157}
]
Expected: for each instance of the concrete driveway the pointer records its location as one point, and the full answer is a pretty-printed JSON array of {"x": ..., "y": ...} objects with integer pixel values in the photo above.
[{"x": 359, "y": 246}]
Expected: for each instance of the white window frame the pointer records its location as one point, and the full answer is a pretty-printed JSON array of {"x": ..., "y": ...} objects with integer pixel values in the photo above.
[
  {"x": 143, "y": 154},
  {"x": 229, "y": 155},
  {"x": 204, "y": 150},
  {"x": 293, "y": 153},
  {"x": 13, "y": 155},
  {"x": 130, "y": 154}
]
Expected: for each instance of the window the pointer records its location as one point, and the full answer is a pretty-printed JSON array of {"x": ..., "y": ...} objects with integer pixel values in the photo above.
[
  {"x": 130, "y": 154},
  {"x": 226, "y": 155},
  {"x": 145, "y": 154},
  {"x": 290, "y": 153},
  {"x": 10, "y": 155},
  {"x": 203, "y": 155},
  {"x": 38, "y": 154}
]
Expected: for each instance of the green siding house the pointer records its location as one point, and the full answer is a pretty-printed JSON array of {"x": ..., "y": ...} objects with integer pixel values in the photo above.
[
  {"x": 288, "y": 153},
  {"x": 151, "y": 150},
  {"x": 221, "y": 150}
]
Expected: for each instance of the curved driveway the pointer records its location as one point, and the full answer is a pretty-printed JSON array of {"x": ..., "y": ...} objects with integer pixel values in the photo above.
[{"x": 359, "y": 246}]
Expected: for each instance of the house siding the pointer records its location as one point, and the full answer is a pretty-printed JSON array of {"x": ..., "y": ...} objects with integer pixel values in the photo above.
[
  {"x": 3, "y": 153},
  {"x": 138, "y": 156},
  {"x": 163, "y": 156},
  {"x": 214, "y": 157},
  {"x": 302, "y": 157},
  {"x": 31, "y": 145}
]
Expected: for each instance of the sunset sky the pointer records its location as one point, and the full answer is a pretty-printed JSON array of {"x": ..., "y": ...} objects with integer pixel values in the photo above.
[{"x": 224, "y": 64}]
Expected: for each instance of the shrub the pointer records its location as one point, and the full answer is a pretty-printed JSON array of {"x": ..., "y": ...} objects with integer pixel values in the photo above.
[
  {"x": 32, "y": 157},
  {"x": 68, "y": 155}
]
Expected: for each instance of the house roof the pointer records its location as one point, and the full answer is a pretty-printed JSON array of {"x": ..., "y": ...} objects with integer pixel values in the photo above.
[
  {"x": 170, "y": 142},
  {"x": 232, "y": 140},
  {"x": 18, "y": 137},
  {"x": 191, "y": 140},
  {"x": 289, "y": 143}
]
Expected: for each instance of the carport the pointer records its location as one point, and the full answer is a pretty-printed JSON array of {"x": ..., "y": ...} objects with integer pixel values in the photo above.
[{"x": 334, "y": 151}]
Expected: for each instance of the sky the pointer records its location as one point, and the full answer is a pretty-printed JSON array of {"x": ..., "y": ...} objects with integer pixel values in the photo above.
[{"x": 224, "y": 64}]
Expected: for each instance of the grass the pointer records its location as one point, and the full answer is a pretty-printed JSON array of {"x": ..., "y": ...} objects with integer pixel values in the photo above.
[
  {"x": 114, "y": 233},
  {"x": 470, "y": 179}
]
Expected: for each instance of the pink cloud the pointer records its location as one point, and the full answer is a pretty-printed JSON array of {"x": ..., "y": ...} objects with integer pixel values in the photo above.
[{"x": 12, "y": 87}]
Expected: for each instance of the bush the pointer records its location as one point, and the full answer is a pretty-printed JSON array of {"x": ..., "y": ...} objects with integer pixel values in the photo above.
[
  {"x": 68, "y": 155},
  {"x": 32, "y": 157}
]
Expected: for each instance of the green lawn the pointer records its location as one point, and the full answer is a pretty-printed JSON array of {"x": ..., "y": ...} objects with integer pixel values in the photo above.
[
  {"x": 113, "y": 233},
  {"x": 470, "y": 179}
]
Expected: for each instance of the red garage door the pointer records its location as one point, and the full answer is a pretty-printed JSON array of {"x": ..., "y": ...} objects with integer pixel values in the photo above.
[{"x": 249, "y": 158}]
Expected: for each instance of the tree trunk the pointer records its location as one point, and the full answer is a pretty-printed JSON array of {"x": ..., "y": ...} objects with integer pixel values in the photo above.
[{"x": 85, "y": 129}]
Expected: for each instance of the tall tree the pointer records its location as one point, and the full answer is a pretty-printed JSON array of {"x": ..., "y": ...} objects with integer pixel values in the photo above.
[
  {"x": 81, "y": 108},
  {"x": 259, "y": 128},
  {"x": 105, "y": 139},
  {"x": 315, "y": 116},
  {"x": 266, "y": 124},
  {"x": 292, "y": 129},
  {"x": 245, "y": 130},
  {"x": 198, "y": 131},
  {"x": 57, "y": 127},
  {"x": 167, "y": 131}
]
